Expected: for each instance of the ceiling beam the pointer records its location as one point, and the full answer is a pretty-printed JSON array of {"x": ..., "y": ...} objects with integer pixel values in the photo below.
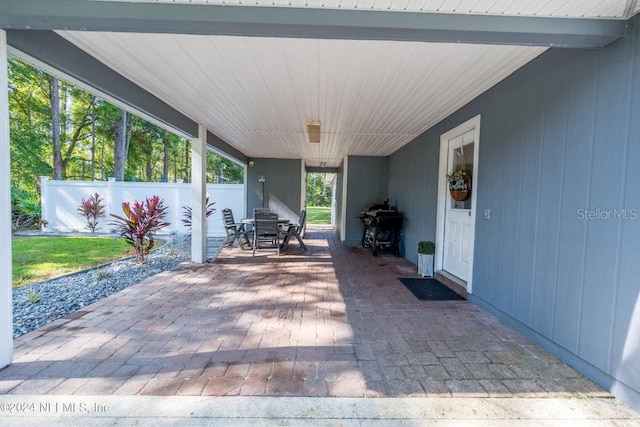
[
  {"x": 189, "y": 18},
  {"x": 630, "y": 8},
  {"x": 55, "y": 55},
  {"x": 59, "y": 54},
  {"x": 223, "y": 148}
]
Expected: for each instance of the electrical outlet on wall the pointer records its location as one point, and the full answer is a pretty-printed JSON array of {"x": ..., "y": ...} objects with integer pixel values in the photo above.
[{"x": 487, "y": 214}]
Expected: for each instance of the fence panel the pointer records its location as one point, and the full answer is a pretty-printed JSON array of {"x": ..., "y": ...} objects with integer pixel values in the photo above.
[{"x": 61, "y": 199}]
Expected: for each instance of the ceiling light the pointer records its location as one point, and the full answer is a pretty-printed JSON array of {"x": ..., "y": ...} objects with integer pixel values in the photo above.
[{"x": 313, "y": 129}]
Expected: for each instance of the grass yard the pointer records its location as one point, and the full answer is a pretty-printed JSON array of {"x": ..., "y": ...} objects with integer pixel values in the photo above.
[
  {"x": 318, "y": 215},
  {"x": 40, "y": 258}
]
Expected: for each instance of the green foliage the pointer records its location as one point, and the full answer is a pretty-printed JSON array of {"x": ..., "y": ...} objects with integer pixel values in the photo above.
[
  {"x": 25, "y": 209},
  {"x": 87, "y": 134},
  {"x": 318, "y": 215},
  {"x": 139, "y": 223},
  {"x": 101, "y": 274},
  {"x": 426, "y": 248},
  {"x": 40, "y": 258},
  {"x": 33, "y": 297},
  {"x": 223, "y": 171},
  {"x": 92, "y": 209},
  {"x": 319, "y": 190},
  {"x": 187, "y": 212}
]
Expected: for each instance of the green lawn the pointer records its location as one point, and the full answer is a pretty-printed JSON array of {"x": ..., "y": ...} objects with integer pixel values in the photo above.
[
  {"x": 40, "y": 258},
  {"x": 318, "y": 215}
]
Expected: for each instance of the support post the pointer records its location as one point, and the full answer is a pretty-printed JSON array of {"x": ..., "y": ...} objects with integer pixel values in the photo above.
[
  {"x": 198, "y": 191},
  {"x": 177, "y": 217},
  {"x": 6, "y": 293}
]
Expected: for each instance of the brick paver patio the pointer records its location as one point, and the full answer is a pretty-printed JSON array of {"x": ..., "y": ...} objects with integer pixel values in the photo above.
[{"x": 332, "y": 321}]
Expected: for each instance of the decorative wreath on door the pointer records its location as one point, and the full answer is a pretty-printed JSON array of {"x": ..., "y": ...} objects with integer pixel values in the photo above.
[{"x": 460, "y": 184}]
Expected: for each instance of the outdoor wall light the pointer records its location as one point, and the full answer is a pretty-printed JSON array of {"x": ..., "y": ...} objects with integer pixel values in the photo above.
[
  {"x": 261, "y": 178},
  {"x": 252, "y": 164},
  {"x": 313, "y": 130}
]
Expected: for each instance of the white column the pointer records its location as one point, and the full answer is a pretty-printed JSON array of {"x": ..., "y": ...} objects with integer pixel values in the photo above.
[
  {"x": 177, "y": 218},
  {"x": 6, "y": 312},
  {"x": 198, "y": 191}
]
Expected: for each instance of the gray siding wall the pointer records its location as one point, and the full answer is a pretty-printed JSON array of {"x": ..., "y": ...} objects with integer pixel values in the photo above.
[
  {"x": 282, "y": 188},
  {"x": 559, "y": 135},
  {"x": 367, "y": 183}
]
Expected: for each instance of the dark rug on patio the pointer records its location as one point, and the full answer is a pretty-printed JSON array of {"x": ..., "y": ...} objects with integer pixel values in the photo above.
[{"x": 429, "y": 289}]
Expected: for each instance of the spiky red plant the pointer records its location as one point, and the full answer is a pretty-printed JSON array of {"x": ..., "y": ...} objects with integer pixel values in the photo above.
[
  {"x": 92, "y": 209},
  {"x": 139, "y": 223}
]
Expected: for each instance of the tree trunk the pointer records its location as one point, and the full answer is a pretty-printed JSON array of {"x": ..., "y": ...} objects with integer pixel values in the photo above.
[
  {"x": 93, "y": 139},
  {"x": 54, "y": 97},
  {"x": 149, "y": 168},
  {"x": 187, "y": 156},
  {"x": 120, "y": 147},
  {"x": 165, "y": 159}
]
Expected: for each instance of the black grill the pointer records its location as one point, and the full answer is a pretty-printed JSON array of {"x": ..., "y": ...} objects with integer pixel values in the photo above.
[{"x": 382, "y": 229}]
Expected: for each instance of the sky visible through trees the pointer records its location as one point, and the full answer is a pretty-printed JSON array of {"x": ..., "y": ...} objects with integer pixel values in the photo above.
[{"x": 63, "y": 132}]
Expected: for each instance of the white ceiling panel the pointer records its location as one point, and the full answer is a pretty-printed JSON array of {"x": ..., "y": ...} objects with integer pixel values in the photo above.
[
  {"x": 371, "y": 97},
  {"x": 547, "y": 8}
]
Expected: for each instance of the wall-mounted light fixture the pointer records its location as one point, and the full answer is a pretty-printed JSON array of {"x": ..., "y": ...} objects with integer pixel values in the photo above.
[
  {"x": 261, "y": 178},
  {"x": 313, "y": 130},
  {"x": 252, "y": 164}
]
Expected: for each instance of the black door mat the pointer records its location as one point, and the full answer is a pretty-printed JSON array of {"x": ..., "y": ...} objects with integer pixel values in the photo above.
[{"x": 429, "y": 289}]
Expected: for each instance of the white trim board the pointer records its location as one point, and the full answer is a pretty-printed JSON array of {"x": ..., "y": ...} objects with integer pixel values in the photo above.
[{"x": 470, "y": 125}]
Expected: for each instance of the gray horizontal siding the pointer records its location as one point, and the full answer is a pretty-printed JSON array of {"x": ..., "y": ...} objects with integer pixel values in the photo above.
[
  {"x": 282, "y": 187},
  {"x": 367, "y": 184},
  {"x": 559, "y": 135}
]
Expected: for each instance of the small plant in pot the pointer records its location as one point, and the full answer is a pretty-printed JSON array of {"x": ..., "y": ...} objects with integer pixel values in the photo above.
[{"x": 426, "y": 250}]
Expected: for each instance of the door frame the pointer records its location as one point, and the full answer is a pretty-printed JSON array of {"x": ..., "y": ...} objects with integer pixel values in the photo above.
[{"x": 443, "y": 193}]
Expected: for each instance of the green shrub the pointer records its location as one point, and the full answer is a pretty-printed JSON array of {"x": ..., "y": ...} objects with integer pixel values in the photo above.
[
  {"x": 25, "y": 209},
  {"x": 426, "y": 248},
  {"x": 139, "y": 223}
]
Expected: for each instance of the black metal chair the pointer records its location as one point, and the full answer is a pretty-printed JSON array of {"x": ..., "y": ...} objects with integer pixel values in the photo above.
[
  {"x": 266, "y": 232},
  {"x": 295, "y": 230},
  {"x": 235, "y": 231}
]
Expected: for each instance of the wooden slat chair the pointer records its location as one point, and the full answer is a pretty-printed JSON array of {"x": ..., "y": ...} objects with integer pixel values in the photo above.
[
  {"x": 235, "y": 231},
  {"x": 295, "y": 230},
  {"x": 261, "y": 210},
  {"x": 266, "y": 233}
]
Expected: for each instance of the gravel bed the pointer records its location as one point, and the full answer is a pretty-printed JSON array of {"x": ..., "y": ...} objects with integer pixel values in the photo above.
[{"x": 63, "y": 295}]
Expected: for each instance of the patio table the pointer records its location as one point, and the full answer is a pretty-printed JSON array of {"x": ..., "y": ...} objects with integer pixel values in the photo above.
[{"x": 252, "y": 221}]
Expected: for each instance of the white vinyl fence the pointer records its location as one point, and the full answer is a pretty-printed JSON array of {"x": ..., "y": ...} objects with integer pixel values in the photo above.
[{"x": 61, "y": 199}]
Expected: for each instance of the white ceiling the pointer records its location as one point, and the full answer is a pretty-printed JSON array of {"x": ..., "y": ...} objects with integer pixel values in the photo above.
[
  {"x": 371, "y": 97},
  {"x": 547, "y": 8}
]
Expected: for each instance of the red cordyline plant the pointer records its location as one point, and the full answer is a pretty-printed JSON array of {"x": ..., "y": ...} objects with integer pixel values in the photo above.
[
  {"x": 186, "y": 215},
  {"x": 92, "y": 209},
  {"x": 139, "y": 223}
]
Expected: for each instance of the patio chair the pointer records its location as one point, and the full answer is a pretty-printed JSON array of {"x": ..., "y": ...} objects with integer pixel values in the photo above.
[
  {"x": 266, "y": 233},
  {"x": 295, "y": 230},
  {"x": 235, "y": 231}
]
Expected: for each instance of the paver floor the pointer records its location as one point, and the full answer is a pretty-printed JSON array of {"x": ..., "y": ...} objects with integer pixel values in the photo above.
[{"x": 331, "y": 321}]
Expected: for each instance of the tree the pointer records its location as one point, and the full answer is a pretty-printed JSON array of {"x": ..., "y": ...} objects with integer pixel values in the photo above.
[
  {"x": 63, "y": 132},
  {"x": 121, "y": 146},
  {"x": 54, "y": 97},
  {"x": 165, "y": 156},
  {"x": 30, "y": 126},
  {"x": 319, "y": 190}
]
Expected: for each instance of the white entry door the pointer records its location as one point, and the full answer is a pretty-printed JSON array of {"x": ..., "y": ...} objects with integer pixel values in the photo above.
[{"x": 458, "y": 167}]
